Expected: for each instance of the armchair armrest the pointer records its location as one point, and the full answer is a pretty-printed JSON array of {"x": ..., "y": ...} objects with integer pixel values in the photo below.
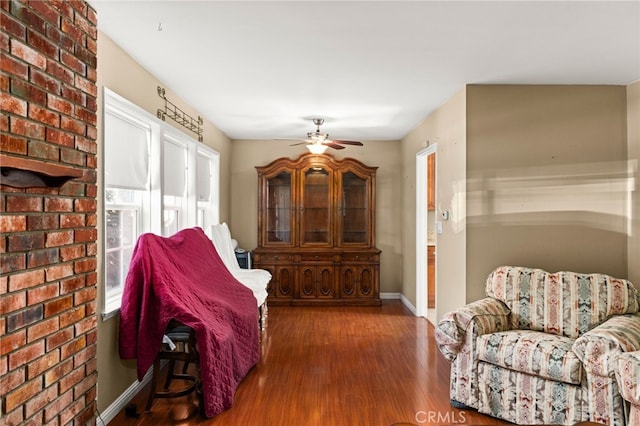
[
  {"x": 599, "y": 348},
  {"x": 628, "y": 376},
  {"x": 484, "y": 316}
]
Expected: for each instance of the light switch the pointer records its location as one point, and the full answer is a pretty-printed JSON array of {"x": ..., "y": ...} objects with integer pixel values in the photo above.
[{"x": 439, "y": 227}]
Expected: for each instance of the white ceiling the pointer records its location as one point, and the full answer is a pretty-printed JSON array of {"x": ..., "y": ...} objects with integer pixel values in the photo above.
[{"x": 374, "y": 70}]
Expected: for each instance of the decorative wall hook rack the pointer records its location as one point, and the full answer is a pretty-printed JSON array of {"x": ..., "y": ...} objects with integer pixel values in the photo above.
[{"x": 179, "y": 116}]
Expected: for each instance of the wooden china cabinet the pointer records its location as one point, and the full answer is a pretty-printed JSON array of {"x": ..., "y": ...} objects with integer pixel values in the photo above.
[{"x": 316, "y": 231}]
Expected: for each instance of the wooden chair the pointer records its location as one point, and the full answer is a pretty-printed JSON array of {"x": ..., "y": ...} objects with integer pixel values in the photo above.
[{"x": 185, "y": 350}]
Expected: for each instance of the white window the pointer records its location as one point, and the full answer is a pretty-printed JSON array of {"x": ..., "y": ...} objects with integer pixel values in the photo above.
[
  {"x": 156, "y": 179},
  {"x": 207, "y": 194},
  {"x": 127, "y": 191},
  {"x": 123, "y": 215}
]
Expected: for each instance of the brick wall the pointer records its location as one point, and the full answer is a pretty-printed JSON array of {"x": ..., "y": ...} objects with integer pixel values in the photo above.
[{"x": 48, "y": 96}]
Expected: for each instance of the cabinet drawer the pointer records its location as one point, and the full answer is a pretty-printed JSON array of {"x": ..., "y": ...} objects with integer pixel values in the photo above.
[
  {"x": 265, "y": 258},
  {"x": 359, "y": 257},
  {"x": 316, "y": 257}
]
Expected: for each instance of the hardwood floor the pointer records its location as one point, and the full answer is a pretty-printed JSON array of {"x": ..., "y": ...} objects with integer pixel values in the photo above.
[{"x": 370, "y": 366}]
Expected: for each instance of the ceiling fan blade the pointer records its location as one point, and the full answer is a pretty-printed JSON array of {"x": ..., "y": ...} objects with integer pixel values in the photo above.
[
  {"x": 333, "y": 145},
  {"x": 348, "y": 142},
  {"x": 299, "y": 143}
]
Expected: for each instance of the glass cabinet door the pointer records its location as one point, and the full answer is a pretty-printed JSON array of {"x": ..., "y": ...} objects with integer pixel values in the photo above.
[
  {"x": 279, "y": 209},
  {"x": 315, "y": 214},
  {"x": 354, "y": 213}
]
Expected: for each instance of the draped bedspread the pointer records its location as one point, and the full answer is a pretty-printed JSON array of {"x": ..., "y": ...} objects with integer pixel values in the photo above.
[{"x": 183, "y": 277}]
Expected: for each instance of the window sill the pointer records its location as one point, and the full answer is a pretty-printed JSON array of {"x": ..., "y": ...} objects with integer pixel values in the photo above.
[{"x": 108, "y": 315}]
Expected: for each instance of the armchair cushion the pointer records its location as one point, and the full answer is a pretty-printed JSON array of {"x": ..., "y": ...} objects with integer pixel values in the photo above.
[
  {"x": 540, "y": 354},
  {"x": 564, "y": 303}
]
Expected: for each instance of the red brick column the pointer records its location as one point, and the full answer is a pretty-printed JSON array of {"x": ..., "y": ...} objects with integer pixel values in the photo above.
[{"x": 48, "y": 96}]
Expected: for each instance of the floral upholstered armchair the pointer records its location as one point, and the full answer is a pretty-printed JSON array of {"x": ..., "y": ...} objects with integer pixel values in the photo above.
[{"x": 541, "y": 348}]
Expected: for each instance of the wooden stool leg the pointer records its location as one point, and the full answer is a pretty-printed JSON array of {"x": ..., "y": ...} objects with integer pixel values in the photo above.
[
  {"x": 172, "y": 364},
  {"x": 154, "y": 382}
]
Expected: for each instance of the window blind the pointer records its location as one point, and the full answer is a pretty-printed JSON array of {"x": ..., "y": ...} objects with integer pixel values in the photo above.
[
  {"x": 203, "y": 177},
  {"x": 127, "y": 148},
  {"x": 175, "y": 168}
]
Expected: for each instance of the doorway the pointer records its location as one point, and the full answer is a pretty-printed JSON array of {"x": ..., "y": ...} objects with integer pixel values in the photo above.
[{"x": 426, "y": 241}]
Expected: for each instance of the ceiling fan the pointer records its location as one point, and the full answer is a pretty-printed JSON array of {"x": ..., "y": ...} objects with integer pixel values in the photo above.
[{"x": 317, "y": 142}]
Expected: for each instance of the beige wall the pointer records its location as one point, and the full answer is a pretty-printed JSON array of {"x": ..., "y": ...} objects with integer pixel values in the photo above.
[
  {"x": 546, "y": 172},
  {"x": 633, "y": 154},
  {"x": 446, "y": 127},
  {"x": 120, "y": 73},
  {"x": 532, "y": 175},
  {"x": 246, "y": 155}
]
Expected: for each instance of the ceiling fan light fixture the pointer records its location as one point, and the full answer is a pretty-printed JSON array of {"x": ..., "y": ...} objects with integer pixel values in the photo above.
[
  {"x": 317, "y": 142},
  {"x": 317, "y": 148},
  {"x": 318, "y": 136}
]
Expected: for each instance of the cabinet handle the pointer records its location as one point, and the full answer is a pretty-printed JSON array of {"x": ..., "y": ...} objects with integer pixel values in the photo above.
[
  {"x": 275, "y": 257},
  {"x": 316, "y": 257}
]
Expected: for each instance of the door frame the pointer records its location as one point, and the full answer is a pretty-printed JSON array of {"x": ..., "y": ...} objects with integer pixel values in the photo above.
[{"x": 422, "y": 228}]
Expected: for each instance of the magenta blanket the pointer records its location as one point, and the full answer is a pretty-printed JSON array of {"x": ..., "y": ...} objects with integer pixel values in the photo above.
[{"x": 183, "y": 277}]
